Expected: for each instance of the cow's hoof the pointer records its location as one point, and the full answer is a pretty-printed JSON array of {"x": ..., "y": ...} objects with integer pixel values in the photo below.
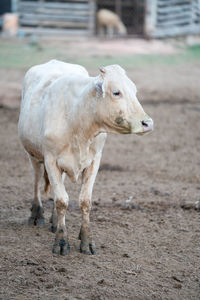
[
  {"x": 53, "y": 228},
  {"x": 87, "y": 245},
  {"x": 36, "y": 221},
  {"x": 88, "y": 248},
  {"x": 36, "y": 217},
  {"x": 61, "y": 247}
]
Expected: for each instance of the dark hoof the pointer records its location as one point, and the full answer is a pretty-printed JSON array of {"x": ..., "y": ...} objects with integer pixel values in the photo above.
[
  {"x": 89, "y": 249},
  {"x": 36, "y": 221},
  {"x": 61, "y": 247},
  {"x": 87, "y": 245},
  {"x": 53, "y": 228},
  {"x": 36, "y": 217}
]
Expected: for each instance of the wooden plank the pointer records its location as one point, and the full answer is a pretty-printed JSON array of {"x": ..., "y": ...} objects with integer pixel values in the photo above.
[
  {"x": 182, "y": 16},
  {"x": 47, "y": 11},
  {"x": 75, "y": 18},
  {"x": 174, "y": 22},
  {"x": 38, "y": 7},
  {"x": 53, "y": 23},
  {"x": 54, "y": 31},
  {"x": 55, "y": 1},
  {"x": 173, "y": 9},
  {"x": 52, "y": 5},
  {"x": 176, "y": 31},
  {"x": 52, "y": 10},
  {"x": 172, "y": 2}
]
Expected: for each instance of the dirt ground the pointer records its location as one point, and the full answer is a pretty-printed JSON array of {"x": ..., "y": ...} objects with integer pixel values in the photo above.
[{"x": 148, "y": 242}]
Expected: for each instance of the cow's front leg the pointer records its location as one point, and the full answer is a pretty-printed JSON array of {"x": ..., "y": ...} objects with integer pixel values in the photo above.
[
  {"x": 61, "y": 244},
  {"x": 54, "y": 216},
  {"x": 87, "y": 245}
]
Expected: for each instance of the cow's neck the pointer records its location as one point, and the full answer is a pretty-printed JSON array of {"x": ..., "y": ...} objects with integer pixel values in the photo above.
[
  {"x": 80, "y": 147},
  {"x": 86, "y": 126}
]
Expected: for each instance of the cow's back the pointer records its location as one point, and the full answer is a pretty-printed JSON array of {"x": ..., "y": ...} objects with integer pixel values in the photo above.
[
  {"x": 39, "y": 77},
  {"x": 36, "y": 85}
]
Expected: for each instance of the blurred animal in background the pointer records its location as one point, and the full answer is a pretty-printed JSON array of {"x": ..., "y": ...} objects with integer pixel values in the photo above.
[{"x": 109, "y": 24}]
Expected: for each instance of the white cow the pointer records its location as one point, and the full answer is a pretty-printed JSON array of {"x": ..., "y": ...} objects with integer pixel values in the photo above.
[{"x": 64, "y": 119}]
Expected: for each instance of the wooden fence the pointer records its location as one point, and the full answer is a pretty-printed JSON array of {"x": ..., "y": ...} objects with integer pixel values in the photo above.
[
  {"x": 172, "y": 17},
  {"x": 75, "y": 17}
]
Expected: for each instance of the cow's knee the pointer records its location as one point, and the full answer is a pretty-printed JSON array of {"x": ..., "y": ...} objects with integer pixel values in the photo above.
[
  {"x": 61, "y": 209},
  {"x": 61, "y": 206},
  {"x": 85, "y": 206}
]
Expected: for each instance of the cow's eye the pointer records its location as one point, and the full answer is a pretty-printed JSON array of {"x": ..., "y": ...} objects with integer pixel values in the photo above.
[{"x": 116, "y": 93}]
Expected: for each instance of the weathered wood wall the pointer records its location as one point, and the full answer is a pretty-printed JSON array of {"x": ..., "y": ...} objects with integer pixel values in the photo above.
[
  {"x": 154, "y": 18},
  {"x": 75, "y": 17},
  {"x": 165, "y": 18}
]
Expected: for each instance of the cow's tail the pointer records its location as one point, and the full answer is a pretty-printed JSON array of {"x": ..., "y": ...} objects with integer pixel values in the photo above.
[{"x": 46, "y": 182}]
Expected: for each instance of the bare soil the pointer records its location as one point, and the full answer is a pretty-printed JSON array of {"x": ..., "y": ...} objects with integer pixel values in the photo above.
[{"x": 148, "y": 241}]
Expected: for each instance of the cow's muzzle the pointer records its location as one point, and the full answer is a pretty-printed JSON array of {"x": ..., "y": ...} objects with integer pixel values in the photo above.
[
  {"x": 147, "y": 125},
  {"x": 143, "y": 126}
]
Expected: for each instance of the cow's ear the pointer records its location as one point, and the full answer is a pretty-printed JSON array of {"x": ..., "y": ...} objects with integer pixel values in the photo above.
[
  {"x": 102, "y": 70},
  {"x": 99, "y": 86}
]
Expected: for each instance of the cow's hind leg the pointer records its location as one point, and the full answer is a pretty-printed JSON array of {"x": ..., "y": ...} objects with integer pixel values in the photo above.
[
  {"x": 37, "y": 211},
  {"x": 61, "y": 244},
  {"x": 87, "y": 245}
]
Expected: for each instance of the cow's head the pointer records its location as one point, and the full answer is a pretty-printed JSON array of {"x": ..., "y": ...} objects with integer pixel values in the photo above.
[{"x": 119, "y": 108}]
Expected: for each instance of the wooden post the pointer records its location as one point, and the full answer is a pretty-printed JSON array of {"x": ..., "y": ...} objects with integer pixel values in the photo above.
[
  {"x": 14, "y": 6},
  {"x": 118, "y": 9},
  {"x": 92, "y": 18},
  {"x": 150, "y": 17},
  {"x": 193, "y": 15}
]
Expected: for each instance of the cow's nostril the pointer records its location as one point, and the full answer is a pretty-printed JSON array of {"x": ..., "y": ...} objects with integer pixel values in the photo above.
[{"x": 144, "y": 124}]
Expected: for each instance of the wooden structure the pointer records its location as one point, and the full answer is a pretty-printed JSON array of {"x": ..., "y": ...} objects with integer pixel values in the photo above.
[
  {"x": 73, "y": 17},
  {"x": 151, "y": 18},
  {"x": 157, "y": 18},
  {"x": 164, "y": 18}
]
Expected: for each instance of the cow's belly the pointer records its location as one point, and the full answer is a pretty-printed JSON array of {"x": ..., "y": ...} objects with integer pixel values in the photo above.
[{"x": 30, "y": 135}]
